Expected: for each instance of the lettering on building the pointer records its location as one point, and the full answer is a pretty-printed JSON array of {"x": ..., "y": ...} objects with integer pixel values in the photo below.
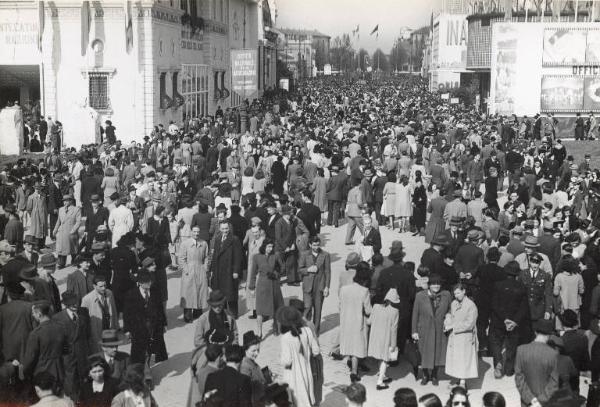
[
  {"x": 585, "y": 70},
  {"x": 456, "y": 34}
]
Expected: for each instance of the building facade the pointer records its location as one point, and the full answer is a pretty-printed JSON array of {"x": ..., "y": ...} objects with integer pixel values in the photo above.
[
  {"x": 304, "y": 51},
  {"x": 136, "y": 63}
]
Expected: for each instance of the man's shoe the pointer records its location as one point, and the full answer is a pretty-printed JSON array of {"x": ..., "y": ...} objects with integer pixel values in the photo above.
[
  {"x": 424, "y": 380},
  {"x": 349, "y": 243},
  {"x": 253, "y": 316},
  {"x": 382, "y": 386},
  {"x": 435, "y": 381},
  {"x": 354, "y": 378},
  {"x": 336, "y": 356},
  {"x": 498, "y": 371}
]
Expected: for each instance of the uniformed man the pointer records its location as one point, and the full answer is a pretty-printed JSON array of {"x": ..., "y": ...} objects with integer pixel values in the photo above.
[
  {"x": 539, "y": 290},
  {"x": 508, "y": 312}
]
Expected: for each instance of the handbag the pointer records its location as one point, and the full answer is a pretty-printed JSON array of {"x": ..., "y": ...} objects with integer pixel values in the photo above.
[{"x": 412, "y": 353}]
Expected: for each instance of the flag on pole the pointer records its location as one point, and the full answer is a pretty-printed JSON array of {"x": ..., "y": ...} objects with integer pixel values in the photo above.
[
  {"x": 128, "y": 26},
  {"x": 375, "y": 30},
  {"x": 41, "y": 23},
  {"x": 86, "y": 21},
  {"x": 355, "y": 32}
]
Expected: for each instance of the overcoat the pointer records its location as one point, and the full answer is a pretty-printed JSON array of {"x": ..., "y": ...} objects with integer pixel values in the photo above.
[
  {"x": 461, "y": 356},
  {"x": 193, "y": 258},
  {"x": 267, "y": 270},
  {"x": 16, "y": 323},
  {"x": 92, "y": 302},
  {"x": 226, "y": 260},
  {"x": 436, "y": 224},
  {"x": 45, "y": 346},
  {"x": 67, "y": 226},
  {"x": 384, "y": 331},
  {"x": 355, "y": 308},
  {"x": 430, "y": 327},
  {"x": 36, "y": 206}
]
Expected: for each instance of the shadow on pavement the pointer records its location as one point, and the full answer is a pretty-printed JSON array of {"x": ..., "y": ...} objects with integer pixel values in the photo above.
[
  {"x": 173, "y": 319},
  {"x": 329, "y": 322},
  {"x": 174, "y": 366}
]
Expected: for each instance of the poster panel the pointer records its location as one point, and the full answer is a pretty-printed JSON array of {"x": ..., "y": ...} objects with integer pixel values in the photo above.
[
  {"x": 592, "y": 52},
  {"x": 564, "y": 46},
  {"x": 504, "y": 68},
  {"x": 19, "y": 37},
  {"x": 591, "y": 97},
  {"x": 244, "y": 71},
  {"x": 453, "y": 38},
  {"x": 562, "y": 93}
]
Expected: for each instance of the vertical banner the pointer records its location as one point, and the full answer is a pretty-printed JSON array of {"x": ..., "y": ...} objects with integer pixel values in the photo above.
[{"x": 244, "y": 71}]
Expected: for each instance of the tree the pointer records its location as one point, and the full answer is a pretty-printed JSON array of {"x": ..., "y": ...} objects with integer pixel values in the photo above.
[
  {"x": 342, "y": 53},
  {"x": 399, "y": 55},
  {"x": 363, "y": 60},
  {"x": 380, "y": 61}
]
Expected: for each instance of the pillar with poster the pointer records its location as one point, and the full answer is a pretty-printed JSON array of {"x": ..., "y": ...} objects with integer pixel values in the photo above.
[{"x": 244, "y": 72}]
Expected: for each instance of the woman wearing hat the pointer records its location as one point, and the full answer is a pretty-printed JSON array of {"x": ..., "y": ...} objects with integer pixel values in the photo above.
[
  {"x": 429, "y": 310},
  {"x": 110, "y": 183},
  {"x": 66, "y": 230},
  {"x": 250, "y": 367},
  {"x": 383, "y": 335},
  {"x": 298, "y": 345}
]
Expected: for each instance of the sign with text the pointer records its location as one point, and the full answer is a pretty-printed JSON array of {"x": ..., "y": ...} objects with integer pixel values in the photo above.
[
  {"x": 18, "y": 37},
  {"x": 244, "y": 71}
]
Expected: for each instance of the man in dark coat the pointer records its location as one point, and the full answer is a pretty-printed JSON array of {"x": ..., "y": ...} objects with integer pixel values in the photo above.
[
  {"x": 124, "y": 266},
  {"x": 549, "y": 245},
  {"x": 536, "y": 367},
  {"x": 310, "y": 214},
  {"x": 43, "y": 129},
  {"x": 396, "y": 276},
  {"x": 273, "y": 218},
  {"x": 489, "y": 274},
  {"x": 46, "y": 345},
  {"x": 285, "y": 244},
  {"x": 116, "y": 360},
  {"x": 239, "y": 224},
  {"x": 335, "y": 195},
  {"x": 100, "y": 264},
  {"x": 509, "y": 310},
  {"x": 145, "y": 320},
  {"x": 91, "y": 184},
  {"x": 97, "y": 216},
  {"x": 469, "y": 258},
  {"x": 315, "y": 269},
  {"x": 372, "y": 237},
  {"x": 75, "y": 322},
  {"x": 228, "y": 387},
  {"x": 54, "y": 199},
  {"x": 432, "y": 256},
  {"x": 278, "y": 175},
  {"x": 225, "y": 266}
]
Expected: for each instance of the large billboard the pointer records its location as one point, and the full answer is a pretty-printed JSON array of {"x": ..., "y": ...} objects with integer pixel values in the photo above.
[
  {"x": 244, "y": 71},
  {"x": 452, "y": 42},
  {"x": 545, "y": 67}
]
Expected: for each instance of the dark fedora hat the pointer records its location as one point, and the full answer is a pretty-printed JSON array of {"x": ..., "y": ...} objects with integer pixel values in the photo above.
[
  {"x": 216, "y": 297},
  {"x": 456, "y": 221},
  {"x": 69, "y": 298},
  {"x": 249, "y": 339},
  {"x": 112, "y": 337},
  {"x": 396, "y": 251},
  {"x": 440, "y": 240},
  {"x": 95, "y": 198},
  {"x": 47, "y": 260},
  {"x": 28, "y": 272},
  {"x": 29, "y": 239}
]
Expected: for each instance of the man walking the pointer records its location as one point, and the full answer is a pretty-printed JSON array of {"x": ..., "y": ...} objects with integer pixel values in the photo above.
[{"x": 315, "y": 269}]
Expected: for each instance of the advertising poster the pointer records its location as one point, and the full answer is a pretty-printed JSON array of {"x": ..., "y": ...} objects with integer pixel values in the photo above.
[
  {"x": 19, "y": 37},
  {"x": 591, "y": 97},
  {"x": 244, "y": 71},
  {"x": 592, "y": 53},
  {"x": 564, "y": 46},
  {"x": 562, "y": 93},
  {"x": 453, "y": 38},
  {"x": 504, "y": 68}
]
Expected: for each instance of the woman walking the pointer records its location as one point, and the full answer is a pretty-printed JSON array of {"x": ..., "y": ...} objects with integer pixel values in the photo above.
[
  {"x": 383, "y": 335},
  {"x": 460, "y": 324},
  {"x": 266, "y": 266},
  {"x": 429, "y": 311},
  {"x": 389, "y": 200},
  {"x": 403, "y": 203},
  {"x": 419, "y": 202}
]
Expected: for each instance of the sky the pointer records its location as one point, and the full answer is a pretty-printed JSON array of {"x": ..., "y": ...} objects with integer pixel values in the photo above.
[{"x": 336, "y": 17}]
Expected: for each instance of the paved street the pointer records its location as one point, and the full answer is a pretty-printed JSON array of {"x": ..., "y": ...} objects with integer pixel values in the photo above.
[{"x": 173, "y": 376}]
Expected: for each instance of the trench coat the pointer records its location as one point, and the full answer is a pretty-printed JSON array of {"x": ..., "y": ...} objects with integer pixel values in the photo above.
[
  {"x": 436, "y": 225},
  {"x": 384, "y": 331},
  {"x": 268, "y": 288},
  {"x": 92, "y": 302},
  {"x": 226, "y": 260},
  {"x": 295, "y": 358},
  {"x": 36, "y": 206},
  {"x": 461, "y": 355},
  {"x": 45, "y": 347},
  {"x": 66, "y": 230},
  {"x": 193, "y": 258},
  {"x": 355, "y": 308},
  {"x": 430, "y": 327},
  {"x": 120, "y": 221}
]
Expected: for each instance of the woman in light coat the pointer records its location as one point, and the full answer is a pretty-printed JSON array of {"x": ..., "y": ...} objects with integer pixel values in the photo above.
[
  {"x": 120, "y": 221},
  {"x": 355, "y": 308},
  {"x": 66, "y": 230},
  {"x": 429, "y": 310},
  {"x": 384, "y": 332},
  {"x": 298, "y": 345},
  {"x": 193, "y": 259},
  {"x": 37, "y": 211},
  {"x": 460, "y": 323}
]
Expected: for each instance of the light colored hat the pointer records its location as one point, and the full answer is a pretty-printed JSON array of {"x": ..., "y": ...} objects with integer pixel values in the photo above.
[{"x": 392, "y": 296}]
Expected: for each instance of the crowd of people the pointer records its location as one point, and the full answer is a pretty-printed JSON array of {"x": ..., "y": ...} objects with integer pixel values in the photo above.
[{"x": 235, "y": 205}]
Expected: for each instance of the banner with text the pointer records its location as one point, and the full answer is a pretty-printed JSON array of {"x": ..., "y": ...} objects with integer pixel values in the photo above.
[{"x": 244, "y": 71}]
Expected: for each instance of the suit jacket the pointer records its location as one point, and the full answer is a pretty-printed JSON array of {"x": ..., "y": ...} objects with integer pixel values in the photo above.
[
  {"x": 310, "y": 214},
  {"x": 509, "y": 301},
  {"x": 539, "y": 292},
  {"x": 577, "y": 348},
  {"x": 550, "y": 246},
  {"x": 336, "y": 186},
  {"x": 46, "y": 345},
  {"x": 140, "y": 318},
  {"x": 270, "y": 228},
  {"x": 226, "y": 260},
  {"x": 16, "y": 323},
  {"x": 432, "y": 259},
  {"x": 468, "y": 259},
  {"x": 536, "y": 372},
  {"x": 373, "y": 238},
  {"x": 404, "y": 282},
  {"x": 119, "y": 364},
  {"x": 54, "y": 198},
  {"x": 80, "y": 284},
  {"x": 284, "y": 235},
  {"x": 233, "y": 389},
  {"x": 438, "y": 175},
  {"x": 77, "y": 335},
  {"x": 456, "y": 208},
  {"x": 319, "y": 280}
]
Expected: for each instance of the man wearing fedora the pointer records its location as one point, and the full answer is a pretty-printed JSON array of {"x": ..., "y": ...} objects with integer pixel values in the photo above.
[
  {"x": 81, "y": 280},
  {"x": 335, "y": 194},
  {"x": 66, "y": 230},
  {"x": 456, "y": 236},
  {"x": 55, "y": 194},
  {"x": 531, "y": 246},
  {"x": 285, "y": 244},
  {"x": 469, "y": 258},
  {"x": 116, "y": 360},
  {"x": 100, "y": 264},
  {"x": 456, "y": 208},
  {"x": 100, "y": 305},
  {"x": 536, "y": 367},
  {"x": 75, "y": 322},
  {"x": 29, "y": 255},
  {"x": 96, "y": 217},
  {"x": 41, "y": 282},
  {"x": 314, "y": 266}
]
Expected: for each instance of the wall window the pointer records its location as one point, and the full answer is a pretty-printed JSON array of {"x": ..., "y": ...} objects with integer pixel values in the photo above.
[
  {"x": 98, "y": 91},
  {"x": 194, "y": 85}
]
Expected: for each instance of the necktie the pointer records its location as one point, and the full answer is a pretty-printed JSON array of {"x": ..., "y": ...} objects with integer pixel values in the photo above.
[{"x": 74, "y": 317}]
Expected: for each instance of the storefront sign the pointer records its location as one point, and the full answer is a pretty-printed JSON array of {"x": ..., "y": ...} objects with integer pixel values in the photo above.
[
  {"x": 244, "y": 71},
  {"x": 586, "y": 70},
  {"x": 18, "y": 37}
]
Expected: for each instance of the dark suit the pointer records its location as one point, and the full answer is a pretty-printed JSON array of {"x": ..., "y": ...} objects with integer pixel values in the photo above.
[
  {"x": 468, "y": 260},
  {"x": 550, "y": 246},
  {"x": 285, "y": 236},
  {"x": 310, "y": 214},
  {"x": 202, "y": 220},
  {"x": 313, "y": 284},
  {"x": 335, "y": 196},
  {"x": 90, "y": 185},
  {"x": 577, "y": 347},
  {"x": 404, "y": 282},
  {"x": 145, "y": 320},
  {"x": 233, "y": 389},
  {"x": 46, "y": 345},
  {"x": 536, "y": 372},
  {"x": 93, "y": 220},
  {"x": 270, "y": 225},
  {"x": 54, "y": 199},
  {"x": 75, "y": 362},
  {"x": 509, "y": 301},
  {"x": 488, "y": 275},
  {"x": 80, "y": 284},
  {"x": 16, "y": 323},
  {"x": 373, "y": 238},
  {"x": 226, "y": 261},
  {"x": 432, "y": 259},
  {"x": 118, "y": 366},
  {"x": 539, "y": 292}
]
